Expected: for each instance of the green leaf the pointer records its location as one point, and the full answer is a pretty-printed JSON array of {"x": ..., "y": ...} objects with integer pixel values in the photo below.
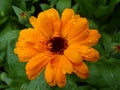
[
  {"x": 40, "y": 84},
  {"x": 4, "y": 42},
  {"x": 4, "y": 10},
  {"x": 14, "y": 69},
  {"x": 62, "y": 4},
  {"x": 45, "y": 6},
  {"x": 5, "y": 78},
  {"x": 115, "y": 37},
  {"x": 53, "y": 2},
  {"x": 106, "y": 41},
  {"x": 9, "y": 26},
  {"x": 36, "y": 84},
  {"x": 92, "y": 24},
  {"x": 70, "y": 84},
  {"x": 114, "y": 22},
  {"x": 104, "y": 75},
  {"x": 86, "y": 88},
  {"x": 100, "y": 10},
  {"x": 87, "y": 7},
  {"x": 75, "y": 7},
  {"x": 22, "y": 15},
  {"x": 106, "y": 10},
  {"x": 110, "y": 73},
  {"x": 95, "y": 79}
]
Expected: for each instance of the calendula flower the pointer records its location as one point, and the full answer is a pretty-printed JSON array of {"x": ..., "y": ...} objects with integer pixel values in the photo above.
[{"x": 57, "y": 45}]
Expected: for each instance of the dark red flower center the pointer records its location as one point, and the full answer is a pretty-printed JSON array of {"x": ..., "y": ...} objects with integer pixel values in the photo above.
[{"x": 58, "y": 45}]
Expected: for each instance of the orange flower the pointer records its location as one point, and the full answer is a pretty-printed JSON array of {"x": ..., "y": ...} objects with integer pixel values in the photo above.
[{"x": 59, "y": 46}]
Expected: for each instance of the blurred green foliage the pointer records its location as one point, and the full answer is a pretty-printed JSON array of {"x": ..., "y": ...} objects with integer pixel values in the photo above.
[{"x": 103, "y": 15}]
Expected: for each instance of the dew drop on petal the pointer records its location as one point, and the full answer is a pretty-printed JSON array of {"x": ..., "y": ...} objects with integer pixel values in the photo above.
[
  {"x": 90, "y": 41},
  {"x": 89, "y": 50},
  {"x": 79, "y": 50},
  {"x": 74, "y": 23},
  {"x": 46, "y": 20},
  {"x": 96, "y": 39},
  {"x": 45, "y": 56},
  {"x": 63, "y": 71},
  {"x": 63, "y": 14},
  {"x": 72, "y": 16},
  {"x": 51, "y": 15}
]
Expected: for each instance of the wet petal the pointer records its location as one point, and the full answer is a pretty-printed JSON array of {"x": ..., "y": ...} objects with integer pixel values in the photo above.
[
  {"x": 72, "y": 54},
  {"x": 60, "y": 78},
  {"x": 92, "y": 38},
  {"x": 28, "y": 46},
  {"x": 78, "y": 27},
  {"x": 25, "y": 51},
  {"x": 66, "y": 16},
  {"x": 51, "y": 69},
  {"x": 34, "y": 22},
  {"x": 30, "y": 35},
  {"x": 88, "y": 53},
  {"x": 65, "y": 64},
  {"x": 50, "y": 75},
  {"x": 75, "y": 27},
  {"x": 81, "y": 70},
  {"x": 57, "y": 29},
  {"x": 80, "y": 37},
  {"x": 36, "y": 64},
  {"x": 46, "y": 21}
]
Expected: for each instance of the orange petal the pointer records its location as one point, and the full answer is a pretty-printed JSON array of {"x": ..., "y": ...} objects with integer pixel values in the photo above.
[
  {"x": 37, "y": 64},
  {"x": 28, "y": 46},
  {"x": 78, "y": 27},
  {"x": 54, "y": 73},
  {"x": 92, "y": 38},
  {"x": 50, "y": 75},
  {"x": 30, "y": 35},
  {"x": 75, "y": 27},
  {"x": 72, "y": 54},
  {"x": 24, "y": 51},
  {"x": 88, "y": 53},
  {"x": 46, "y": 21},
  {"x": 65, "y": 64},
  {"x": 66, "y": 16},
  {"x": 81, "y": 70},
  {"x": 57, "y": 29},
  {"x": 50, "y": 71},
  {"x": 27, "y": 50},
  {"x": 34, "y": 22},
  {"x": 80, "y": 37},
  {"x": 60, "y": 77}
]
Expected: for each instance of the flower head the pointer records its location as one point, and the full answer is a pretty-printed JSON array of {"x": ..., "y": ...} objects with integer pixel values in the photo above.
[{"x": 57, "y": 45}]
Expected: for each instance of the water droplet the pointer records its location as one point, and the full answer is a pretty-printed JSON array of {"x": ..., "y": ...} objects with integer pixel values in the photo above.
[
  {"x": 45, "y": 57},
  {"x": 2, "y": 13},
  {"x": 72, "y": 51},
  {"x": 79, "y": 50},
  {"x": 90, "y": 41},
  {"x": 87, "y": 32},
  {"x": 72, "y": 16},
  {"x": 96, "y": 39},
  {"x": 74, "y": 23},
  {"x": 63, "y": 14},
  {"x": 112, "y": 75},
  {"x": 51, "y": 15},
  {"x": 89, "y": 50},
  {"x": 64, "y": 71},
  {"x": 25, "y": 55},
  {"x": 46, "y": 20},
  {"x": 49, "y": 46},
  {"x": 87, "y": 56}
]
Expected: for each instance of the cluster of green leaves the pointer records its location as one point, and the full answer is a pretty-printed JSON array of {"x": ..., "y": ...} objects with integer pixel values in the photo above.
[{"x": 103, "y": 15}]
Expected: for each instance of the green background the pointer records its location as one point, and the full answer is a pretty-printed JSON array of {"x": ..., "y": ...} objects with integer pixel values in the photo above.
[{"x": 103, "y": 15}]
